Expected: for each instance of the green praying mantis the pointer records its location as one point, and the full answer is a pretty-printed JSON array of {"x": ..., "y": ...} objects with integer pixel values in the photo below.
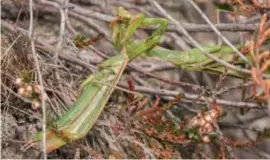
[{"x": 76, "y": 123}]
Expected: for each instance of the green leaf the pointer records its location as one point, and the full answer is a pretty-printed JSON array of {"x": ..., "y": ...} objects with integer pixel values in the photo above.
[
  {"x": 160, "y": 128},
  {"x": 26, "y": 76},
  {"x": 223, "y": 6},
  {"x": 244, "y": 111},
  {"x": 2, "y": 29},
  {"x": 266, "y": 132},
  {"x": 195, "y": 138},
  {"x": 79, "y": 38}
]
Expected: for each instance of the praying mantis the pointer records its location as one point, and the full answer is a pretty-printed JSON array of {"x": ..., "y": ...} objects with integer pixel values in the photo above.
[{"x": 76, "y": 123}]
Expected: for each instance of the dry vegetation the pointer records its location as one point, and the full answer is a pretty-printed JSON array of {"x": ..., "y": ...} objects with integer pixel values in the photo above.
[{"x": 183, "y": 114}]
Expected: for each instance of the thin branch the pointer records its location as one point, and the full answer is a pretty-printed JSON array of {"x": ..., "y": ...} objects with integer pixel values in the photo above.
[
  {"x": 61, "y": 36},
  {"x": 164, "y": 92},
  {"x": 47, "y": 49},
  {"x": 217, "y": 31},
  {"x": 11, "y": 45},
  {"x": 181, "y": 29},
  {"x": 69, "y": 26},
  {"x": 91, "y": 24},
  {"x": 240, "y": 126},
  {"x": 31, "y": 35},
  {"x": 228, "y": 27},
  {"x": 190, "y": 27},
  {"x": 26, "y": 100},
  {"x": 227, "y": 89},
  {"x": 172, "y": 28},
  {"x": 29, "y": 114}
]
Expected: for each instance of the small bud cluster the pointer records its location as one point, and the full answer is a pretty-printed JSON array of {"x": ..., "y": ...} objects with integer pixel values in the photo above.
[
  {"x": 205, "y": 121},
  {"x": 153, "y": 123},
  {"x": 30, "y": 91}
]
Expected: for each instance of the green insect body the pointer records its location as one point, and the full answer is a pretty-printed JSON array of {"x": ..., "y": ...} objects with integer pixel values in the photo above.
[
  {"x": 194, "y": 60},
  {"x": 77, "y": 122}
]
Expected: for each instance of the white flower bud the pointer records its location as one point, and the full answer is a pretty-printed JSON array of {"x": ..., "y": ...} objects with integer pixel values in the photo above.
[
  {"x": 26, "y": 94},
  {"x": 29, "y": 88},
  {"x": 208, "y": 118},
  {"x": 37, "y": 88},
  {"x": 193, "y": 122},
  {"x": 21, "y": 91},
  {"x": 207, "y": 128},
  {"x": 202, "y": 122},
  {"x": 205, "y": 139},
  {"x": 213, "y": 114},
  {"x": 35, "y": 104},
  {"x": 18, "y": 81}
]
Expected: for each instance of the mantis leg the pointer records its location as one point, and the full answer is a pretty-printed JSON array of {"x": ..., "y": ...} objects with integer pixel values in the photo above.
[
  {"x": 89, "y": 92},
  {"x": 76, "y": 110},
  {"x": 151, "y": 41},
  {"x": 94, "y": 99},
  {"x": 125, "y": 27}
]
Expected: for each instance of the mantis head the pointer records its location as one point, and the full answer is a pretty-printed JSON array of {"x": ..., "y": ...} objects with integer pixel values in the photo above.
[
  {"x": 125, "y": 26},
  {"x": 119, "y": 26}
]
